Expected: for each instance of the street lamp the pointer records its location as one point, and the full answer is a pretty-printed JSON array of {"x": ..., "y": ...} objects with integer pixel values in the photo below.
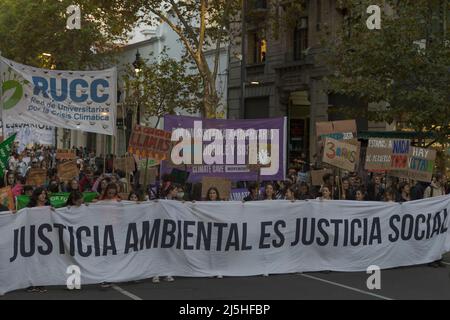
[{"x": 137, "y": 64}]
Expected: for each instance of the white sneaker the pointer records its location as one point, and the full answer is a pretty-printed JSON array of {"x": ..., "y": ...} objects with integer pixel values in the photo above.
[
  {"x": 170, "y": 279},
  {"x": 155, "y": 280},
  {"x": 219, "y": 277},
  {"x": 265, "y": 275}
]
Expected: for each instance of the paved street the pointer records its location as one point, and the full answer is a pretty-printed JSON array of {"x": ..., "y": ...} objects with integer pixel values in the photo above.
[{"x": 419, "y": 282}]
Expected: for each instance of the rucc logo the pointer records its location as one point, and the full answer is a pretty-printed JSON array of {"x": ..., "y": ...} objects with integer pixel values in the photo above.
[{"x": 15, "y": 97}]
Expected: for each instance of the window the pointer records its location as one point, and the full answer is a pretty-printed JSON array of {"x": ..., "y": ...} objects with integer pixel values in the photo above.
[
  {"x": 257, "y": 49},
  {"x": 300, "y": 38}
]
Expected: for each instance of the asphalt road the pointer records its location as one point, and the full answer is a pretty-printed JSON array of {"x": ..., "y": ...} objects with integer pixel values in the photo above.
[{"x": 418, "y": 282}]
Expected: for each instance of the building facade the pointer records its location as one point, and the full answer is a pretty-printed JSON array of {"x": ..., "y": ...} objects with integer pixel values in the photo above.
[{"x": 284, "y": 76}]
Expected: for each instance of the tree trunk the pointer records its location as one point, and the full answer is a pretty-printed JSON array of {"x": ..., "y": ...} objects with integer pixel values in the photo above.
[{"x": 210, "y": 99}]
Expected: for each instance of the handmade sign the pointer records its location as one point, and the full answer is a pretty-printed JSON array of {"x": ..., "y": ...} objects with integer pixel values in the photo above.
[
  {"x": 68, "y": 170},
  {"x": 420, "y": 165},
  {"x": 36, "y": 177},
  {"x": 125, "y": 164},
  {"x": 340, "y": 154},
  {"x": 317, "y": 176},
  {"x": 338, "y": 130},
  {"x": 65, "y": 155},
  {"x": 387, "y": 154},
  {"x": 150, "y": 142}
]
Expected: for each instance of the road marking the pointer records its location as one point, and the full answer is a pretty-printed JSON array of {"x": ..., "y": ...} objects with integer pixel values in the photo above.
[
  {"x": 346, "y": 287},
  {"x": 126, "y": 293}
]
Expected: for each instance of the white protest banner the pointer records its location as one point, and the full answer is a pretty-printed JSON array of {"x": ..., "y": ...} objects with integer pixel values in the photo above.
[
  {"x": 30, "y": 134},
  {"x": 78, "y": 100},
  {"x": 121, "y": 242}
]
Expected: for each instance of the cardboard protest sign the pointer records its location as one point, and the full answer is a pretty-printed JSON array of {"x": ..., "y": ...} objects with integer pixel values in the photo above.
[
  {"x": 222, "y": 185},
  {"x": 150, "y": 142},
  {"x": 65, "y": 155},
  {"x": 36, "y": 177},
  {"x": 338, "y": 130},
  {"x": 340, "y": 154},
  {"x": 420, "y": 165},
  {"x": 317, "y": 176},
  {"x": 387, "y": 154},
  {"x": 125, "y": 164},
  {"x": 68, "y": 170},
  {"x": 7, "y": 198},
  {"x": 141, "y": 162}
]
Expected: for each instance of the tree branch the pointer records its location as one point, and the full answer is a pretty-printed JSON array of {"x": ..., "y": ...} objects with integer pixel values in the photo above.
[{"x": 202, "y": 28}]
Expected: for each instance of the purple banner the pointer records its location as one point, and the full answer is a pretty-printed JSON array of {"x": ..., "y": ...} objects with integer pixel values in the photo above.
[{"x": 231, "y": 149}]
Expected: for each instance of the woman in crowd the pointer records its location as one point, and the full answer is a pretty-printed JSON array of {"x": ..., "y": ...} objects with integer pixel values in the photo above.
[
  {"x": 303, "y": 192},
  {"x": 213, "y": 194},
  {"x": 102, "y": 185},
  {"x": 136, "y": 196},
  {"x": 76, "y": 199},
  {"x": 181, "y": 194},
  {"x": 39, "y": 198},
  {"x": 389, "y": 195},
  {"x": 253, "y": 188},
  {"x": 290, "y": 194},
  {"x": 171, "y": 193},
  {"x": 404, "y": 195},
  {"x": 14, "y": 183},
  {"x": 111, "y": 193},
  {"x": 73, "y": 185},
  {"x": 360, "y": 195},
  {"x": 269, "y": 192},
  {"x": 326, "y": 193},
  {"x": 436, "y": 188},
  {"x": 346, "y": 193}
]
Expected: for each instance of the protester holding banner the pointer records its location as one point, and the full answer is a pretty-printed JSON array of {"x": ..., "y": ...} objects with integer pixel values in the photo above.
[
  {"x": 269, "y": 192},
  {"x": 253, "y": 188},
  {"x": 39, "y": 198},
  {"x": 436, "y": 188},
  {"x": 73, "y": 185},
  {"x": 171, "y": 193},
  {"x": 75, "y": 199},
  {"x": 404, "y": 194},
  {"x": 290, "y": 194},
  {"x": 212, "y": 194},
  {"x": 111, "y": 193},
  {"x": 360, "y": 195},
  {"x": 325, "y": 193},
  {"x": 303, "y": 192}
]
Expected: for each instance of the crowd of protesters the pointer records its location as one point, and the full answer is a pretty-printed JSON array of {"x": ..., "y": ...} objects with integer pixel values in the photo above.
[{"x": 97, "y": 174}]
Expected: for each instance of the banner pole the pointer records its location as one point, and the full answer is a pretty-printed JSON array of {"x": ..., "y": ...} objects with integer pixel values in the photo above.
[
  {"x": 104, "y": 154},
  {"x": 113, "y": 149},
  {"x": 145, "y": 175}
]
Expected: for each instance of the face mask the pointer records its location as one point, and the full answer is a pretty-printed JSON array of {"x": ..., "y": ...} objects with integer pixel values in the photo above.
[{"x": 180, "y": 195}]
